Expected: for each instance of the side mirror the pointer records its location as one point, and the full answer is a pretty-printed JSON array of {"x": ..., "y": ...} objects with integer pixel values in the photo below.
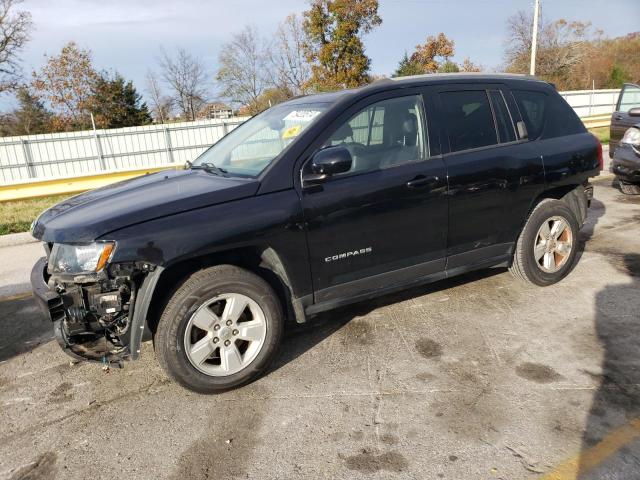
[
  {"x": 326, "y": 162},
  {"x": 634, "y": 112}
]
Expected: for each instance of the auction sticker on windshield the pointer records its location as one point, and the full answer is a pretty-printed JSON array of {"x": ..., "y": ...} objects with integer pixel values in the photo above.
[{"x": 302, "y": 115}]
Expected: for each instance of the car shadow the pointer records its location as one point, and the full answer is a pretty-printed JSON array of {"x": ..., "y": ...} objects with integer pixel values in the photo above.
[
  {"x": 596, "y": 212},
  {"x": 299, "y": 338},
  {"x": 23, "y": 327},
  {"x": 616, "y": 402}
]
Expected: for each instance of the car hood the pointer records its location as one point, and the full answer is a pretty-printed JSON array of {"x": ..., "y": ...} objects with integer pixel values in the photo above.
[{"x": 93, "y": 214}]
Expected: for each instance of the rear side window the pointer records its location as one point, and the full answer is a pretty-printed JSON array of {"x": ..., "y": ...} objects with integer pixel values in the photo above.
[
  {"x": 547, "y": 115},
  {"x": 504, "y": 123},
  {"x": 468, "y": 119}
]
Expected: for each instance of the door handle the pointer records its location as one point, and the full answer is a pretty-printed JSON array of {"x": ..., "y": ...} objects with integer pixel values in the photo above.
[
  {"x": 618, "y": 117},
  {"x": 421, "y": 181}
]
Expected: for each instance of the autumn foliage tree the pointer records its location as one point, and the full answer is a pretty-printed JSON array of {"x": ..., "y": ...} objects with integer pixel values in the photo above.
[
  {"x": 67, "y": 82},
  {"x": 433, "y": 56},
  {"x": 71, "y": 86},
  {"x": 433, "y": 53},
  {"x": 572, "y": 55},
  {"x": 334, "y": 47},
  {"x": 608, "y": 63}
]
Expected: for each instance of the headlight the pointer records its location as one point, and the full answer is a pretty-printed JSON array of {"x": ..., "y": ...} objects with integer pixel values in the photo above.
[
  {"x": 632, "y": 137},
  {"x": 74, "y": 259}
]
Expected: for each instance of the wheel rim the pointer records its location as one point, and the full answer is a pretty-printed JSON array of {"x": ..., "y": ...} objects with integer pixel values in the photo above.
[
  {"x": 553, "y": 244},
  {"x": 225, "y": 334}
]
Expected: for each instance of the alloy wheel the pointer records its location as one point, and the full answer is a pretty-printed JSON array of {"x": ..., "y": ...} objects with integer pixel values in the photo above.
[
  {"x": 553, "y": 244},
  {"x": 225, "y": 334}
]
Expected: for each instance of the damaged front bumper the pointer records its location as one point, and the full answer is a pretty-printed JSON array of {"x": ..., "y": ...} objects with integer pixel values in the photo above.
[
  {"x": 626, "y": 163},
  {"x": 97, "y": 318}
]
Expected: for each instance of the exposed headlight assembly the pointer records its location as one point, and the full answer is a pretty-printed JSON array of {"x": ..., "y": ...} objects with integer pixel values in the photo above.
[
  {"x": 632, "y": 137},
  {"x": 80, "y": 258}
]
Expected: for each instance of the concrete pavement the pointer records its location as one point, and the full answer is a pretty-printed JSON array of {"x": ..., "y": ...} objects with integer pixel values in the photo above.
[{"x": 477, "y": 377}]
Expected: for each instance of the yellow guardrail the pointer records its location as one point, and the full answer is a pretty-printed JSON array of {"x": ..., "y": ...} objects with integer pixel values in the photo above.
[
  {"x": 45, "y": 188},
  {"x": 597, "y": 121}
]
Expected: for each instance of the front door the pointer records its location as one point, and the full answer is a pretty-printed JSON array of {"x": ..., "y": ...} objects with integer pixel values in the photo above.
[
  {"x": 384, "y": 222},
  {"x": 621, "y": 120}
]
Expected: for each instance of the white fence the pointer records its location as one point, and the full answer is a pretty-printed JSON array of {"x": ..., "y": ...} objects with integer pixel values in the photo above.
[
  {"x": 73, "y": 154},
  {"x": 68, "y": 155},
  {"x": 587, "y": 103}
]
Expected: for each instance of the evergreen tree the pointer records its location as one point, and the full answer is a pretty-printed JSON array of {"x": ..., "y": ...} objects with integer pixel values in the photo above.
[
  {"x": 407, "y": 67},
  {"x": 116, "y": 103},
  {"x": 31, "y": 116},
  {"x": 617, "y": 77},
  {"x": 448, "y": 67}
]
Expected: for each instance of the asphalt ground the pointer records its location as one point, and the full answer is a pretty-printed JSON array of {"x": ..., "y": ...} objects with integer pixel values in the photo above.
[{"x": 477, "y": 377}]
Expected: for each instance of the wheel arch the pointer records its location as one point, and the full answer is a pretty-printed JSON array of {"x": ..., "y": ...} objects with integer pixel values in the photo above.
[
  {"x": 573, "y": 195},
  {"x": 263, "y": 261}
]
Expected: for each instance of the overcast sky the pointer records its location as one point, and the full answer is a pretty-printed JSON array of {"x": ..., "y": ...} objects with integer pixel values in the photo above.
[{"x": 126, "y": 35}]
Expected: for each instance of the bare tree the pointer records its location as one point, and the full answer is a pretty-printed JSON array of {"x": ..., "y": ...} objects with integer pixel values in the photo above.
[
  {"x": 562, "y": 45},
  {"x": 15, "y": 26},
  {"x": 286, "y": 55},
  {"x": 187, "y": 78},
  {"x": 242, "y": 73},
  {"x": 161, "y": 104}
]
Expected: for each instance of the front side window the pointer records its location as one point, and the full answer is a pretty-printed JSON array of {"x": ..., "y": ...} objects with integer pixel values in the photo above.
[
  {"x": 468, "y": 119},
  {"x": 384, "y": 134},
  {"x": 247, "y": 150},
  {"x": 629, "y": 98}
]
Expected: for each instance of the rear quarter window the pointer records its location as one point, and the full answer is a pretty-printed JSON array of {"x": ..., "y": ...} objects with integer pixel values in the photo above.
[{"x": 546, "y": 115}]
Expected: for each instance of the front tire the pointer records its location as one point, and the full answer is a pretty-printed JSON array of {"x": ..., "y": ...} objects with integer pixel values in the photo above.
[
  {"x": 220, "y": 330},
  {"x": 547, "y": 246}
]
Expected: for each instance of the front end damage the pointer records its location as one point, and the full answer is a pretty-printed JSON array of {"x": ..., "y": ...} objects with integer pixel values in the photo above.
[{"x": 94, "y": 315}]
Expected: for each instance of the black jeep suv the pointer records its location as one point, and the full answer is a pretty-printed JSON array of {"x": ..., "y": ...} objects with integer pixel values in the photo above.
[{"x": 318, "y": 202}]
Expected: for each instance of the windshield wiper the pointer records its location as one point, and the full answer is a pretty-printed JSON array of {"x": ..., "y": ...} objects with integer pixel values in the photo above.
[{"x": 210, "y": 168}]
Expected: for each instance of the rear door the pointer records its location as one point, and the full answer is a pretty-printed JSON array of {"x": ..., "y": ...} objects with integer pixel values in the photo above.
[
  {"x": 621, "y": 120},
  {"x": 493, "y": 175}
]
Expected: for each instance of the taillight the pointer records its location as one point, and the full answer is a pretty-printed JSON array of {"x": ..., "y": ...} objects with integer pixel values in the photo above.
[{"x": 600, "y": 157}]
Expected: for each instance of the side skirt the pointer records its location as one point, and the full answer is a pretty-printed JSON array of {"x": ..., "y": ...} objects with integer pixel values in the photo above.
[{"x": 310, "y": 309}]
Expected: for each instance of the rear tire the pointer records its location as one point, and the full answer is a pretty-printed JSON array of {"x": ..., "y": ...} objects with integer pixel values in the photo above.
[
  {"x": 220, "y": 330},
  {"x": 629, "y": 188},
  {"x": 547, "y": 246}
]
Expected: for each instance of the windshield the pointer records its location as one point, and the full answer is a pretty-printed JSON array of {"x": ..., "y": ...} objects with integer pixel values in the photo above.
[{"x": 248, "y": 149}]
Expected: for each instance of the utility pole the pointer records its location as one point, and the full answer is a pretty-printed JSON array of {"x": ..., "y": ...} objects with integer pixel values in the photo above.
[{"x": 534, "y": 38}]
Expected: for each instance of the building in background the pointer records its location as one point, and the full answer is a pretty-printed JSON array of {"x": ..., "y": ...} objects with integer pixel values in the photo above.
[{"x": 215, "y": 110}]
